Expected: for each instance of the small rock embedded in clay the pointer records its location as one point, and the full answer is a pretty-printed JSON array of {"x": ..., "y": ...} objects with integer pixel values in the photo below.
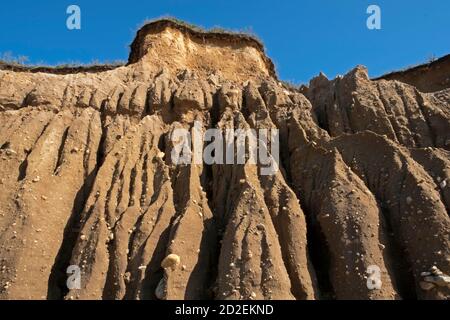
[{"x": 171, "y": 261}]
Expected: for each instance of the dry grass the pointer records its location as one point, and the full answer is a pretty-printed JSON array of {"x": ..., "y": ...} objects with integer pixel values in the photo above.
[
  {"x": 217, "y": 30},
  {"x": 8, "y": 61}
]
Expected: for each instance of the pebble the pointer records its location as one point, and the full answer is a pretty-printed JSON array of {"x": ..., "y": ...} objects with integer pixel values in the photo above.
[
  {"x": 160, "y": 155},
  {"x": 434, "y": 270},
  {"x": 83, "y": 237},
  {"x": 409, "y": 200},
  {"x": 171, "y": 261},
  {"x": 36, "y": 179},
  {"x": 434, "y": 277},
  {"x": 260, "y": 227},
  {"x": 443, "y": 184},
  {"x": 426, "y": 285},
  {"x": 442, "y": 281},
  {"x": 10, "y": 152}
]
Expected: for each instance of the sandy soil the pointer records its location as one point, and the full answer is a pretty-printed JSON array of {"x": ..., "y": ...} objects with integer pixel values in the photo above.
[{"x": 86, "y": 179}]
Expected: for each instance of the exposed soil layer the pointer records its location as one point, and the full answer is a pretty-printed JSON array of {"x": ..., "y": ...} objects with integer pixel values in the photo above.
[
  {"x": 87, "y": 179},
  {"x": 429, "y": 77}
]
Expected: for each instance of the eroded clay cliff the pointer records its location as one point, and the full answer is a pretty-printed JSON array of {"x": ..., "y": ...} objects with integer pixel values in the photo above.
[{"x": 86, "y": 179}]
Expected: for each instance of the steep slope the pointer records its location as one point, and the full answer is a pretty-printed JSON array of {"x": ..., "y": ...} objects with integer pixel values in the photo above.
[{"x": 87, "y": 179}]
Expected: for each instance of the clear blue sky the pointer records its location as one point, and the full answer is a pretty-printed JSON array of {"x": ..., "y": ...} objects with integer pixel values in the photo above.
[{"x": 303, "y": 37}]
